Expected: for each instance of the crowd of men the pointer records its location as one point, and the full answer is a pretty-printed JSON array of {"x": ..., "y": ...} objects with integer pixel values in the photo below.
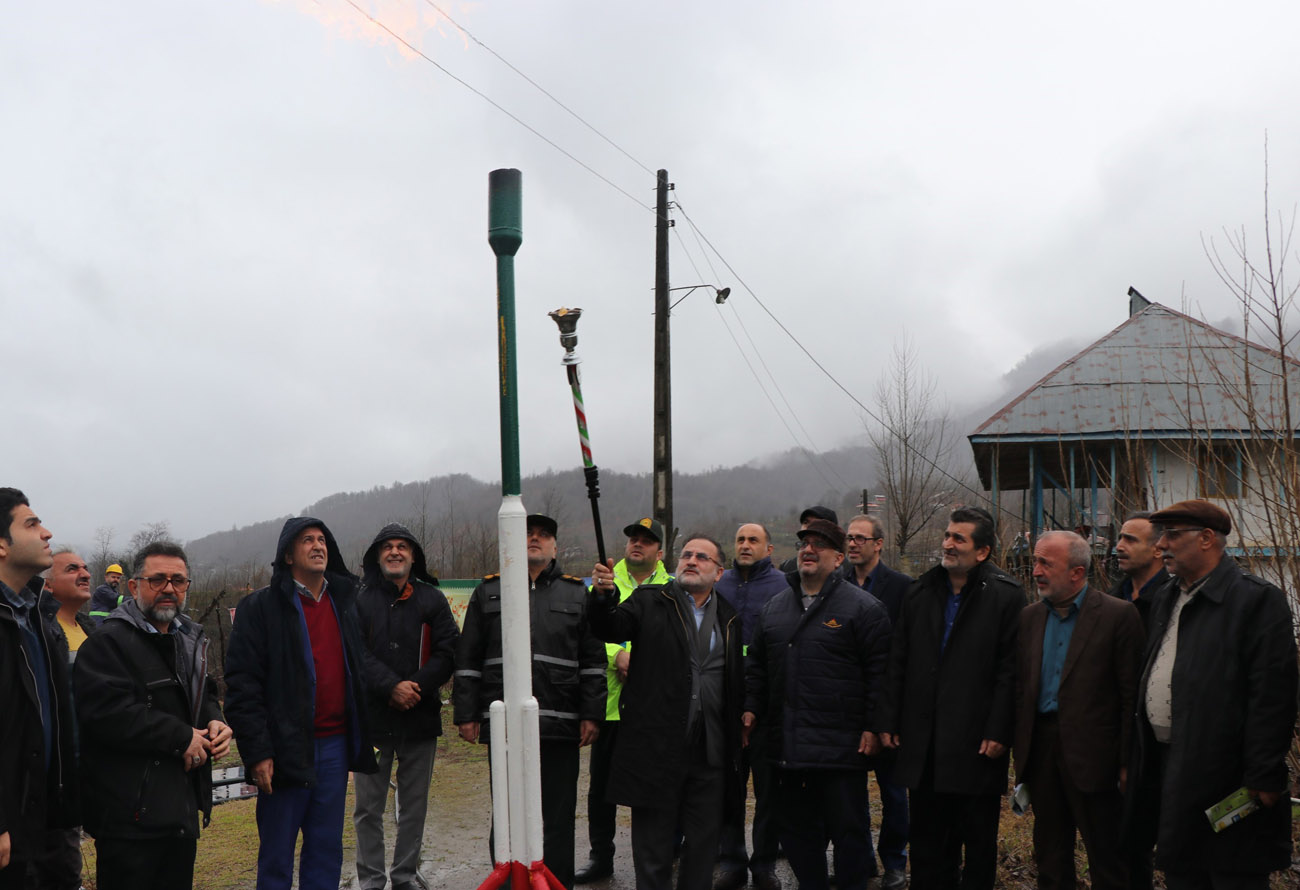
[{"x": 1129, "y": 713}]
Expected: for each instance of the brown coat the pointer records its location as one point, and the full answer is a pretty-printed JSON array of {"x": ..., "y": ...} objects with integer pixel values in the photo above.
[{"x": 1098, "y": 689}]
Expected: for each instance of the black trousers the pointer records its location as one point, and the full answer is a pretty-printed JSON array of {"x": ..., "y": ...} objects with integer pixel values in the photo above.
[
  {"x": 818, "y": 807},
  {"x": 1059, "y": 808},
  {"x": 559, "y": 806},
  {"x": 600, "y": 812},
  {"x": 944, "y": 826},
  {"x": 58, "y": 867},
  {"x": 155, "y": 864},
  {"x": 1203, "y": 881},
  {"x": 699, "y": 804},
  {"x": 731, "y": 853}
]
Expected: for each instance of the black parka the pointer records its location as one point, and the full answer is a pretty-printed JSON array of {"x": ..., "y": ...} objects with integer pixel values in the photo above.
[
  {"x": 1234, "y": 712},
  {"x": 140, "y": 696},
  {"x": 568, "y": 659},
  {"x": 33, "y": 798},
  {"x": 650, "y": 753},
  {"x": 410, "y": 637},
  {"x": 943, "y": 702},
  {"x": 270, "y": 681},
  {"x": 814, "y": 677}
]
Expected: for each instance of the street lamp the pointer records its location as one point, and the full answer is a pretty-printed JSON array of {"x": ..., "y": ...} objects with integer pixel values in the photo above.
[{"x": 662, "y": 498}]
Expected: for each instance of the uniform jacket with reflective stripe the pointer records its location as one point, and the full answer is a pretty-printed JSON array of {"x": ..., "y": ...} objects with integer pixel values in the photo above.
[{"x": 568, "y": 659}]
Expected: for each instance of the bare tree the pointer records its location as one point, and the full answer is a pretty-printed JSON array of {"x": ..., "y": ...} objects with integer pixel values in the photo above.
[
  {"x": 148, "y": 534},
  {"x": 912, "y": 440},
  {"x": 102, "y": 558}
]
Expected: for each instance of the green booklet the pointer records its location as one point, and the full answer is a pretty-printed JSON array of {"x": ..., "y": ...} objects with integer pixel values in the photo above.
[{"x": 1232, "y": 809}]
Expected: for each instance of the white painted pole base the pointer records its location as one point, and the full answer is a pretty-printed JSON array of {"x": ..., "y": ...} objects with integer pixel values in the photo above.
[{"x": 500, "y": 782}]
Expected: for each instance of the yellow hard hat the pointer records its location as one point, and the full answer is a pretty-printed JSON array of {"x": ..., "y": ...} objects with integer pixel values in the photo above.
[{"x": 114, "y": 568}]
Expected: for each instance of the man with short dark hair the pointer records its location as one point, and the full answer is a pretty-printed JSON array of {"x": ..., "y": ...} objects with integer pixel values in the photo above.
[
  {"x": 295, "y": 696},
  {"x": 1139, "y": 562},
  {"x": 679, "y": 743},
  {"x": 949, "y": 707},
  {"x": 863, "y": 542},
  {"x": 1080, "y": 652},
  {"x": 107, "y": 596},
  {"x": 150, "y": 729},
  {"x": 642, "y": 563},
  {"x": 751, "y": 581},
  {"x": 37, "y": 757},
  {"x": 812, "y": 684},
  {"x": 1216, "y": 711},
  {"x": 568, "y": 666},
  {"x": 410, "y": 641}
]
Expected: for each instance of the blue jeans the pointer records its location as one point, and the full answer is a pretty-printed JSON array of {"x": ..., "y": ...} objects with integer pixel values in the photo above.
[{"x": 318, "y": 813}]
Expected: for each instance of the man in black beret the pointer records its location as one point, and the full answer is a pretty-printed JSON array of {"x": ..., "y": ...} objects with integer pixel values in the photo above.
[{"x": 1216, "y": 711}]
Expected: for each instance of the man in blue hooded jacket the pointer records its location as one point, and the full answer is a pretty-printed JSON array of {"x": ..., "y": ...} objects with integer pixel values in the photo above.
[{"x": 295, "y": 697}]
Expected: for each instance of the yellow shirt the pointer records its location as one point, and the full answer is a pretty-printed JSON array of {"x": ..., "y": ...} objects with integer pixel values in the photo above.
[{"x": 72, "y": 630}]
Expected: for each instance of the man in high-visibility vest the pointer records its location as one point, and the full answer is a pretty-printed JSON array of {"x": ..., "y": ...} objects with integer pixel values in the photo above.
[{"x": 107, "y": 597}]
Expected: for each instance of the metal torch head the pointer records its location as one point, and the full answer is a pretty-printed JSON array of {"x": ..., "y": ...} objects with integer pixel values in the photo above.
[{"x": 567, "y": 321}]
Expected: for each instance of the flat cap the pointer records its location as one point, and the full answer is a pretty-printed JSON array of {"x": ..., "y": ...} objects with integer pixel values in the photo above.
[
  {"x": 1197, "y": 512},
  {"x": 652, "y": 527},
  {"x": 549, "y": 525},
  {"x": 820, "y": 513},
  {"x": 828, "y": 531}
]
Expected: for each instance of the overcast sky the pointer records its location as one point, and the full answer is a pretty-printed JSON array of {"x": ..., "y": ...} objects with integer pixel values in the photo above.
[{"x": 243, "y": 254}]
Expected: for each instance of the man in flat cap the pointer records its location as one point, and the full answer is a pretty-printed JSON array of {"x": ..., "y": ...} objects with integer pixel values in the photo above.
[
  {"x": 812, "y": 684},
  {"x": 642, "y": 563},
  {"x": 568, "y": 681},
  {"x": 1216, "y": 711}
]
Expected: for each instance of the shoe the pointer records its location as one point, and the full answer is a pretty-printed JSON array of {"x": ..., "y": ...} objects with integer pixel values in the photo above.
[
  {"x": 731, "y": 879},
  {"x": 594, "y": 870},
  {"x": 766, "y": 879},
  {"x": 894, "y": 879}
]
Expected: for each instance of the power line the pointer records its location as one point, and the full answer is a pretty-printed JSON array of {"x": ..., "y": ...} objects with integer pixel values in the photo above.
[
  {"x": 822, "y": 368},
  {"x": 540, "y": 88},
  {"x": 498, "y": 106}
]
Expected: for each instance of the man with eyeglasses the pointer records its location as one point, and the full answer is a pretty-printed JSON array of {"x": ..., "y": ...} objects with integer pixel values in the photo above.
[
  {"x": 812, "y": 681},
  {"x": 676, "y": 757},
  {"x": 150, "y": 729},
  {"x": 568, "y": 667},
  {"x": 37, "y": 757},
  {"x": 862, "y": 548},
  {"x": 751, "y": 581},
  {"x": 1216, "y": 711},
  {"x": 949, "y": 705}
]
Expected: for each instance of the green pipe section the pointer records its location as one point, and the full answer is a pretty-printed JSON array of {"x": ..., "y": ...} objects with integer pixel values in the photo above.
[{"x": 505, "y": 234}]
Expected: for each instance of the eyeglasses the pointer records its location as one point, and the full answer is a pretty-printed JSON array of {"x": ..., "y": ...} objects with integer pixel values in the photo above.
[
  {"x": 860, "y": 539},
  {"x": 815, "y": 543},
  {"x": 695, "y": 554},
  {"x": 1175, "y": 532},
  {"x": 157, "y": 583}
]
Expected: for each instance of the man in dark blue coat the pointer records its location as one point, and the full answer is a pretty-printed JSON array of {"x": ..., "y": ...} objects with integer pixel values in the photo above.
[
  {"x": 410, "y": 640},
  {"x": 864, "y": 568},
  {"x": 812, "y": 681},
  {"x": 295, "y": 697}
]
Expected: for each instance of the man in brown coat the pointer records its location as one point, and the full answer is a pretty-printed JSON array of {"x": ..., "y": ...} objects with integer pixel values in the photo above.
[{"x": 1077, "y": 672}]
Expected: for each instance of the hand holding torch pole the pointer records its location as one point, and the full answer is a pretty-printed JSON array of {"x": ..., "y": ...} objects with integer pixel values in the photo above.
[{"x": 567, "y": 320}]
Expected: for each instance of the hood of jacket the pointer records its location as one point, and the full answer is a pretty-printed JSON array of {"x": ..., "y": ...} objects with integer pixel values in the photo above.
[
  {"x": 292, "y": 528},
  {"x": 372, "y": 575}
]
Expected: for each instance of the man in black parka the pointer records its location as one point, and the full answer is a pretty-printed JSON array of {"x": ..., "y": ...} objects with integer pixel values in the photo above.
[
  {"x": 295, "y": 696},
  {"x": 949, "y": 706},
  {"x": 410, "y": 640},
  {"x": 677, "y": 758}
]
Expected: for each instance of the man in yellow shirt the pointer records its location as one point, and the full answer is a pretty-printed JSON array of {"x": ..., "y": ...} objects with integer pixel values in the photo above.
[{"x": 68, "y": 582}]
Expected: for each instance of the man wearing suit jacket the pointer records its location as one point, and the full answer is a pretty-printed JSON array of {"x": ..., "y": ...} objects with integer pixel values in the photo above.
[
  {"x": 865, "y": 568},
  {"x": 1080, "y": 654}
]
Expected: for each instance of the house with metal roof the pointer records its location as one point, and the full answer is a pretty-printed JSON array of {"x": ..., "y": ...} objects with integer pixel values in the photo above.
[{"x": 1163, "y": 408}]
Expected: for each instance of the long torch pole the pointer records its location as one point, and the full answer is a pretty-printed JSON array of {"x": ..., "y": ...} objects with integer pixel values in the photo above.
[{"x": 567, "y": 319}]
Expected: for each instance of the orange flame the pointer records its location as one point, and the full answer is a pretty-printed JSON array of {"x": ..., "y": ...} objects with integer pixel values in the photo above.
[{"x": 402, "y": 24}]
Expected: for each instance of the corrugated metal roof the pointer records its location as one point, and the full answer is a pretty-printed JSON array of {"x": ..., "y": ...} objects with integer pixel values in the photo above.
[{"x": 1160, "y": 371}]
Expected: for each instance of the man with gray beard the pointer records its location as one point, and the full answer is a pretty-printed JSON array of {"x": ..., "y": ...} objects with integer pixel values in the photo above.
[{"x": 150, "y": 729}]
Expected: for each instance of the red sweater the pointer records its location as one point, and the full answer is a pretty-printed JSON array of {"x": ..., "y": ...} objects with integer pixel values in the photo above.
[{"x": 331, "y": 674}]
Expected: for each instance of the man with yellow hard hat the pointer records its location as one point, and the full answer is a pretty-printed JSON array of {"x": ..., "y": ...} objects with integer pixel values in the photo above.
[{"x": 106, "y": 596}]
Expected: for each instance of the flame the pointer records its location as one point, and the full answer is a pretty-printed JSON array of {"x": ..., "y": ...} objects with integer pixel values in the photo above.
[{"x": 405, "y": 25}]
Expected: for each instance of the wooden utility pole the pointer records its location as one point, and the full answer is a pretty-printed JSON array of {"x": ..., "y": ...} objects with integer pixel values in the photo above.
[{"x": 663, "y": 431}]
